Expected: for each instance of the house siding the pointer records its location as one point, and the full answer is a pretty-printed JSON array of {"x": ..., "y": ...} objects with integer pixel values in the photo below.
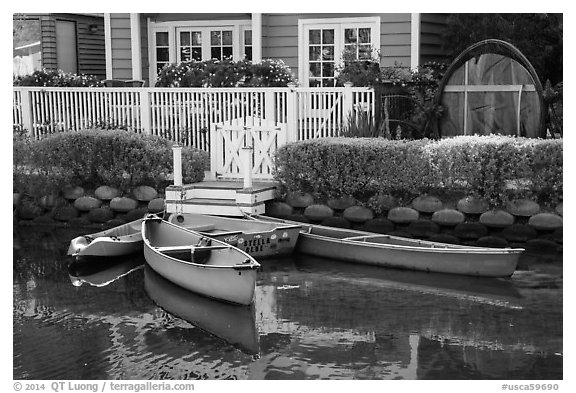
[
  {"x": 121, "y": 46},
  {"x": 90, "y": 46},
  {"x": 432, "y": 27},
  {"x": 207, "y": 16},
  {"x": 144, "y": 48},
  {"x": 280, "y": 36}
]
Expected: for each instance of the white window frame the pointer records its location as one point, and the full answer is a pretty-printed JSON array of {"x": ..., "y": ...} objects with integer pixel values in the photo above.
[
  {"x": 175, "y": 27},
  {"x": 338, "y": 24}
]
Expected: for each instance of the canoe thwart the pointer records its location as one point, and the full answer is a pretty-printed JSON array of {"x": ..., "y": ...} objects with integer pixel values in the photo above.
[{"x": 189, "y": 248}]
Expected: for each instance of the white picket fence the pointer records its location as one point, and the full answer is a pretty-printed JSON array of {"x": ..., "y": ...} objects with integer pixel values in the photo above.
[{"x": 186, "y": 115}]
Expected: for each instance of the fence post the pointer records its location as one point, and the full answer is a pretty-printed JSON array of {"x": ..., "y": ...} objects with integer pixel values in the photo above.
[
  {"x": 177, "y": 160},
  {"x": 292, "y": 114},
  {"x": 347, "y": 101},
  {"x": 270, "y": 105},
  {"x": 145, "y": 109},
  {"x": 247, "y": 164},
  {"x": 26, "y": 102},
  {"x": 215, "y": 154}
]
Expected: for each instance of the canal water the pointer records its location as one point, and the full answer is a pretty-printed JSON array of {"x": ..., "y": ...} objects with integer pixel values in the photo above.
[{"x": 312, "y": 319}]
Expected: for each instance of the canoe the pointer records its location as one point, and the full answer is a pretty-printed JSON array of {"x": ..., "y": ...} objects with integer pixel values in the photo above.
[
  {"x": 233, "y": 324},
  {"x": 403, "y": 253},
  {"x": 259, "y": 239},
  {"x": 121, "y": 240},
  {"x": 101, "y": 272},
  {"x": 197, "y": 263}
]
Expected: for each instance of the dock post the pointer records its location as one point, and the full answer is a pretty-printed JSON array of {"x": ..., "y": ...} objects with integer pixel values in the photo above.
[
  {"x": 246, "y": 158},
  {"x": 177, "y": 156}
]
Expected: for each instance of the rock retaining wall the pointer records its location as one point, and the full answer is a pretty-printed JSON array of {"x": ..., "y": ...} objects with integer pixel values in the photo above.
[
  {"x": 104, "y": 206},
  {"x": 468, "y": 221}
]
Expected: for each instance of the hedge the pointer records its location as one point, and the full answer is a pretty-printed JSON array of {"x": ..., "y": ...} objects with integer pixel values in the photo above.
[
  {"x": 95, "y": 157},
  {"x": 57, "y": 78},
  {"x": 494, "y": 168}
]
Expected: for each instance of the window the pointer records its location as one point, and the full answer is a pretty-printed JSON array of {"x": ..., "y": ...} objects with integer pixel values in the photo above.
[
  {"x": 190, "y": 45},
  {"x": 162, "y": 50},
  {"x": 175, "y": 42},
  {"x": 323, "y": 41},
  {"x": 221, "y": 44},
  {"x": 321, "y": 59},
  {"x": 248, "y": 44}
]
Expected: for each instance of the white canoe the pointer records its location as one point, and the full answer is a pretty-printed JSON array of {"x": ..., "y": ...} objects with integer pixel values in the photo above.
[
  {"x": 197, "y": 263},
  {"x": 403, "y": 253},
  {"x": 233, "y": 324},
  {"x": 259, "y": 239},
  {"x": 121, "y": 240}
]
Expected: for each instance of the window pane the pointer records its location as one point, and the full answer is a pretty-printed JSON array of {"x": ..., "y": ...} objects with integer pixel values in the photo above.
[
  {"x": 328, "y": 36},
  {"x": 248, "y": 37},
  {"x": 364, "y": 51},
  {"x": 328, "y": 53},
  {"x": 314, "y": 52},
  {"x": 185, "y": 54},
  {"x": 364, "y": 35},
  {"x": 216, "y": 53},
  {"x": 227, "y": 52},
  {"x": 227, "y": 37},
  {"x": 314, "y": 83},
  {"x": 328, "y": 69},
  {"x": 328, "y": 82},
  {"x": 197, "y": 54},
  {"x": 350, "y": 36},
  {"x": 314, "y": 36},
  {"x": 185, "y": 38},
  {"x": 352, "y": 50},
  {"x": 159, "y": 67},
  {"x": 162, "y": 54},
  {"x": 196, "y": 38},
  {"x": 162, "y": 39},
  {"x": 314, "y": 69},
  {"x": 215, "y": 38},
  {"x": 248, "y": 53}
]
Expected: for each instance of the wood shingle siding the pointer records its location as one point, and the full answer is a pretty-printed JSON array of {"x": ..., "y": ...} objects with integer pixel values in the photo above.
[{"x": 89, "y": 45}]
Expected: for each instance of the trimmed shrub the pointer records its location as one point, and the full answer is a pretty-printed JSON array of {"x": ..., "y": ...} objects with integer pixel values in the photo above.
[
  {"x": 91, "y": 158},
  {"x": 493, "y": 168},
  {"x": 57, "y": 78},
  {"x": 357, "y": 167}
]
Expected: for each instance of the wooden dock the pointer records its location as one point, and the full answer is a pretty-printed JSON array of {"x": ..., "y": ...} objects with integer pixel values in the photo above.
[{"x": 220, "y": 197}]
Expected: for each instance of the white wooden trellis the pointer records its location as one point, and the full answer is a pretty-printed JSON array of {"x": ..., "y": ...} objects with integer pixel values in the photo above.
[{"x": 228, "y": 139}]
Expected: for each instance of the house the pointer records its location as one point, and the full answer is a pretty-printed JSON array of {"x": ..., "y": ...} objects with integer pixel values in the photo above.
[
  {"x": 138, "y": 45},
  {"x": 69, "y": 42}
]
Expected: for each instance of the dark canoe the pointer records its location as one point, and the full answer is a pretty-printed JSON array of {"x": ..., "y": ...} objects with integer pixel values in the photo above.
[{"x": 257, "y": 238}]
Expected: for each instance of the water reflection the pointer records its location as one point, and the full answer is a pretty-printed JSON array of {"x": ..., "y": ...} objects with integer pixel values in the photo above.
[
  {"x": 312, "y": 319},
  {"x": 100, "y": 272},
  {"x": 236, "y": 325}
]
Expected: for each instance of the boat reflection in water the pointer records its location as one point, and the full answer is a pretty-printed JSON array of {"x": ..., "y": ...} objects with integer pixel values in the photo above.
[
  {"x": 100, "y": 271},
  {"x": 495, "y": 291},
  {"x": 234, "y": 324}
]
